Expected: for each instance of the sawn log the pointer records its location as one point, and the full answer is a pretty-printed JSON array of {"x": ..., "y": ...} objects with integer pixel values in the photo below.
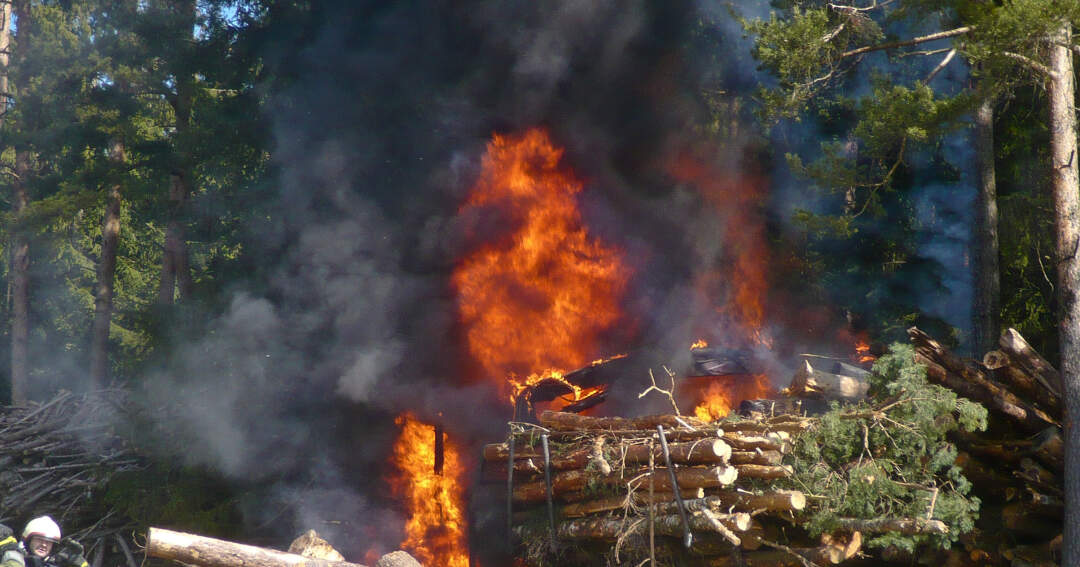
[{"x": 209, "y": 552}]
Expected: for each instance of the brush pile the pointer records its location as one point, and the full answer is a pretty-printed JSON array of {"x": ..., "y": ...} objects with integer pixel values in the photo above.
[{"x": 57, "y": 457}]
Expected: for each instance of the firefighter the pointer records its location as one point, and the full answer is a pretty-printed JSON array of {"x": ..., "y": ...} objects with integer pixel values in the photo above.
[{"x": 41, "y": 546}]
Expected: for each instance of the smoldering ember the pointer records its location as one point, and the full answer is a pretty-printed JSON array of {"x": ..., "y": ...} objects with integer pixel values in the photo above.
[{"x": 509, "y": 284}]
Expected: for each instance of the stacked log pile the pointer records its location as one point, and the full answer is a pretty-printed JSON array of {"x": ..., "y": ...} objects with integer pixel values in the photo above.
[
  {"x": 1018, "y": 464},
  {"x": 607, "y": 482},
  {"x": 57, "y": 457}
]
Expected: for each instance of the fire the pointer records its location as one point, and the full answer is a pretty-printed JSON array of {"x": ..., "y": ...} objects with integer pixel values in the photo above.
[
  {"x": 537, "y": 299},
  {"x": 862, "y": 352},
  {"x": 737, "y": 288},
  {"x": 700, "y": 343},
  {"x": 435, "y": 532},
  {"x": 720, "y": 395}
]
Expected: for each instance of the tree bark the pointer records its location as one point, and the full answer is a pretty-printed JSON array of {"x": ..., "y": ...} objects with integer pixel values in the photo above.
[
  {"x": 209, "y": 552},
  {"x": 175, "y": 264},
  {"x": 1062, "y": 93},
  {"x": 986, "y": 303},
  {"x": 905, "y": 526},
  {"x": 103, "y": 299},
  {"x": 20, "y": 277},
  {"x": 20, "y": 243}
]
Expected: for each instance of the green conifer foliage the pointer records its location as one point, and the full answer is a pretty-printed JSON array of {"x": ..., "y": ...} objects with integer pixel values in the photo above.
[{"x": 890, "y": 458}]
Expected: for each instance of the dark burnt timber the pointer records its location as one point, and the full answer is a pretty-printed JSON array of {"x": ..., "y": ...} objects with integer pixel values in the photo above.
[{"x": 714, "y": 361}]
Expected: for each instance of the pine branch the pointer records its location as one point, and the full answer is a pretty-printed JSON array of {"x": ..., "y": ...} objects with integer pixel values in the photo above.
[
  {"x": 1031, "y": 63},
  {"x": 914, "y": 41}
]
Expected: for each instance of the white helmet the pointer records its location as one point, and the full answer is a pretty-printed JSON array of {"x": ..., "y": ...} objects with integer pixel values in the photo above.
[{"x": 43, "y": 527}]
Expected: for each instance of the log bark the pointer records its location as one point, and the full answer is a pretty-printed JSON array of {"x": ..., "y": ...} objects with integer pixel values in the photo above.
[
  {"x": 669, "y": 525},
  {"x": 620, "y": 502},
  {"x": 1013, "y": 344},
  {"x": 573, "y": 482},
  {"x": 764, "y": 472},
  {"x": 986, "y": 283},
  {"x": 704, "y": 452},
  {"x": 1022, "y": 518},
  {"x": 562, "y": 421},
  {"x": 209, "y": 552},
  {"x": 972, "y": 384},
  {"x": 1005, "y": 370},
  {"x": 773, "y": 501},
  {"x": 905, "y": 526},
  {"x": 770, "y": 458},
  {"x": 106, "y": 272},
  {"x": 1050, "y": 449},
  {"x": 788, "y": 423},
  {"x": 742, "y": 442}
]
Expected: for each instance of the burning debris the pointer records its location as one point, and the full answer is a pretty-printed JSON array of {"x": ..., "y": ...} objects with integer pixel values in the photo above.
[{"x": 882, "y": 469}]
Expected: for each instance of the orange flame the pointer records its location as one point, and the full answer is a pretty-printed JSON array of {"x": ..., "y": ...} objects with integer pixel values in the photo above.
[
  {"x": 537, "y": 300},
  {"x": 700, "y": 343},
  {"x": 738, "y": 290},
  {"x": 721, "y": 394},
  {"x": 435, "y": 529},
  {"x": 862, "y": 352}
]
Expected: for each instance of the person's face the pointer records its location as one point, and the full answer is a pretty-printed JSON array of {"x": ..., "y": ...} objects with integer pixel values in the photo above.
[{"x": 40, "y": 546}]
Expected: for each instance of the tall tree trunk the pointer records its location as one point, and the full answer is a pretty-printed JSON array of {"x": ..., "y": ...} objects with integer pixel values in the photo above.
[
  {"x": 20, "y": 276},
  {"x": 1062, "y": 92},
  {"x": 20, "y": 243},
  {"x": 103, "y": 299},
  {"x": 987, "y": 301},
  {"x": 5, "y": 46},
  {"x": 175, "y": 267}
]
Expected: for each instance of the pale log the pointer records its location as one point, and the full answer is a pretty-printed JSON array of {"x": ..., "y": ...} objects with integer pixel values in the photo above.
[
  {"x": 764, "y": 471},
  {"x": 742, "y": 442},
  {"x": 1018, "y": 349},
  {"x": 209, "y": 552},
  {"x": 703, "y": 452},
  {"x": 774, "y": 501},
  {"x": 810, "y": 382},
  {"x": 566, "y": 483},
  {"x": 562, "y": 421},
  {"x": 789, "y": 423},
  {"x": 905, "y": 526},
  {"x": 771, "y": 458}
]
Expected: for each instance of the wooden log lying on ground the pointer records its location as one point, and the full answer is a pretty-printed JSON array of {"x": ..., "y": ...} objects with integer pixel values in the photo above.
[
  {"x": 700, "y": 452},
  {"x": 771, "y": 458},
  {"x": 209, "y": 552}
]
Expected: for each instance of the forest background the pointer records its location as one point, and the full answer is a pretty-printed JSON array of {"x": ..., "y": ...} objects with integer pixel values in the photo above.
[{"x": 250, "y": 205}]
